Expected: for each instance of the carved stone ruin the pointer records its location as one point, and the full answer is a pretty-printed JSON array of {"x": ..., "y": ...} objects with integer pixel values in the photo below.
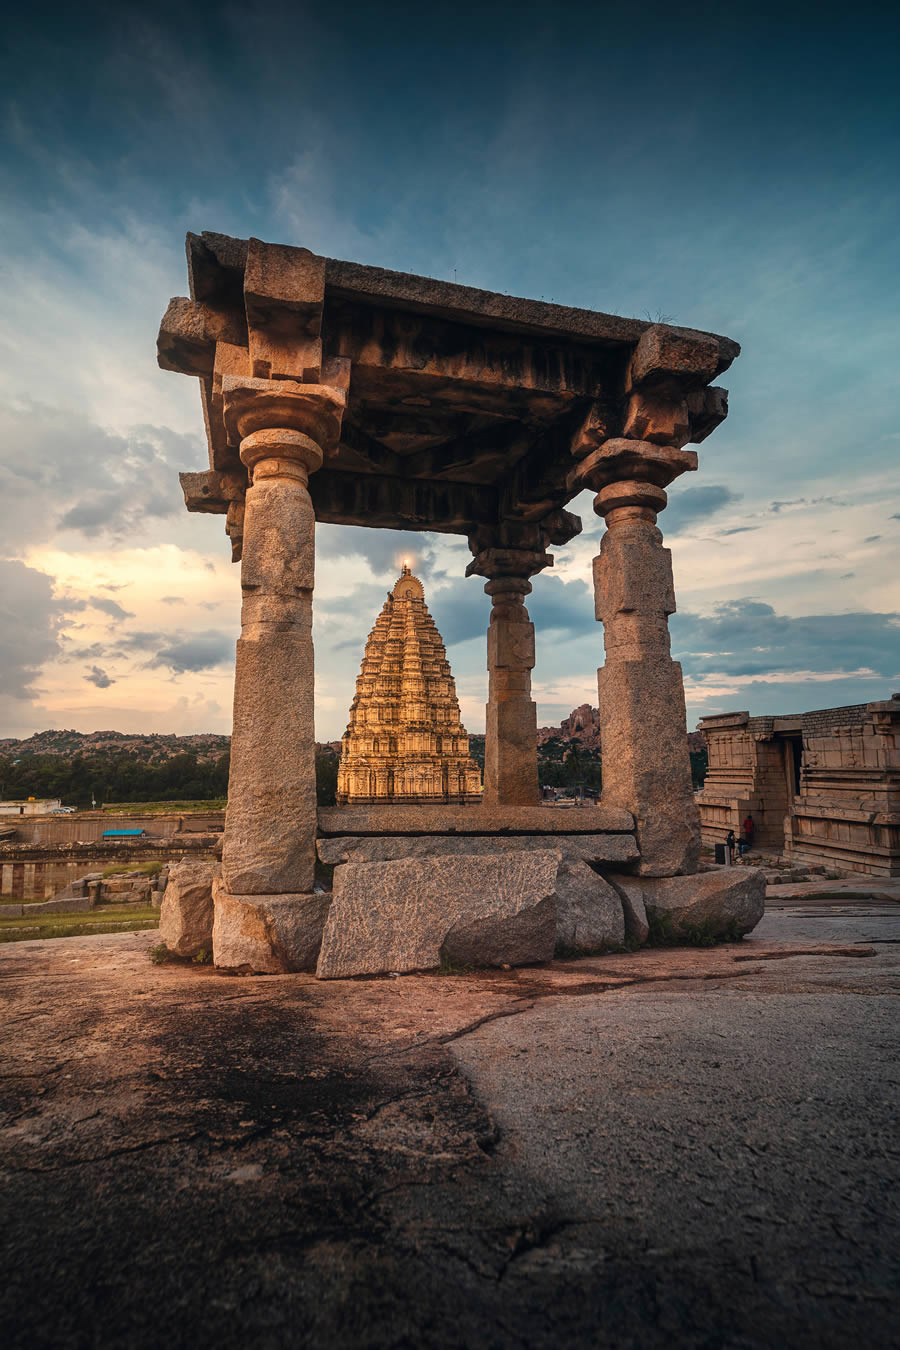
[
  {"x": 821, "y": 786},
  {"x": 405, "y": 742},
  {"x": 342, "y": 393}
]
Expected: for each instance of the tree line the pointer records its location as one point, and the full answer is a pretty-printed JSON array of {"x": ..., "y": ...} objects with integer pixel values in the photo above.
[{"x": 111, "y": 776}]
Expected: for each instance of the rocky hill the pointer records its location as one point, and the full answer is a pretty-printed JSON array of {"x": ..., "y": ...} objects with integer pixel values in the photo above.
[
  {"x": 155, "y": 748},
  {"x": 583, "y": 726}
]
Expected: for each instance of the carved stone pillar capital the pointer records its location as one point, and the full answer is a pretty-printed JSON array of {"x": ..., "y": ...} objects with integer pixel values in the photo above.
[
  {"x": 257, "y": 405},
  {"x": 620, "y": 460}
]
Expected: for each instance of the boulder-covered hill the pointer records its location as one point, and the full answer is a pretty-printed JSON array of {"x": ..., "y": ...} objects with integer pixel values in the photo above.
[
  {"x": 583, "y": 725},
  {"x": 149, "y": 749}
]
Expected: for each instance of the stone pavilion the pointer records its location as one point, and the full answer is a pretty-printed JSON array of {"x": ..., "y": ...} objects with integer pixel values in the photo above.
[
  {"x": 404, "y": 742},
  {"x": 337, "y": 392}
]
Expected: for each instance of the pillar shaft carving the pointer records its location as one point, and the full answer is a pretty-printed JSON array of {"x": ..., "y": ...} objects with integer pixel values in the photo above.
[
  {"x": 643, "y": 727},
  {"x": 270, "y": 825}
]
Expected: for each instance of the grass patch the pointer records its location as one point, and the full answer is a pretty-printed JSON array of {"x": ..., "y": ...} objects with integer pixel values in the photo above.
[
  {"x": 147, "y": 869},
  {"x": 128, "y": 920}
]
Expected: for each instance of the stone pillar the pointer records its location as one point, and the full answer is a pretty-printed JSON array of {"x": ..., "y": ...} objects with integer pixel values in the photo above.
[
  {"x": 643, "y": 728},
  {"x": 510, "y": 742},
  {"x": 270, "y": 823}
]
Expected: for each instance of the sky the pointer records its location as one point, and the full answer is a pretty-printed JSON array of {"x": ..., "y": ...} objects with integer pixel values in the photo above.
[{"x": 732, "y": 168}]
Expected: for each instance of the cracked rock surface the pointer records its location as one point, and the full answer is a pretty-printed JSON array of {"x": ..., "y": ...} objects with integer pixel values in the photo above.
[{"x": 679, "y": 1147}]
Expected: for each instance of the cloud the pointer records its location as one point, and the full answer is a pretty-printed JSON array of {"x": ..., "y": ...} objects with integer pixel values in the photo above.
[
  {"x": 692, "y": 504},
  {"x": 110, "y": 607},
  {"x": 462, "y": 611},
  {"x": 61, "y": 469},
  {"x": 99, "y": 678},
  {"x": 172, "y": 599},
  {"x": 30, "y": 620},
  {"x": 748, "y": 638},
  {"x": 871, "y": 539},
  {"x": 199, "y": 651},
  {"x": 739, "y": 529},
  {"x": 383, "y": 550}
]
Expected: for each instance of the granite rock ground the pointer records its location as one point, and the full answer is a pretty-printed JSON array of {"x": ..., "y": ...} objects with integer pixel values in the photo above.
[{"x": 681, "y": 1147}]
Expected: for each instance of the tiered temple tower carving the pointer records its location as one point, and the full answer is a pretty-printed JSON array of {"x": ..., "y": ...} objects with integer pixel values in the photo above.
[{"x": 404, "y": 741}]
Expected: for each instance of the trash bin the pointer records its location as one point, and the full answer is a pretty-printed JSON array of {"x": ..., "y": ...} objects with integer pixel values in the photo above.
[{"x": 720, "y": 854}]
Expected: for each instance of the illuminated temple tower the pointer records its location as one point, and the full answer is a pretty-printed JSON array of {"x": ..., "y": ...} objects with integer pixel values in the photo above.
[{"x": 405, "y": 742}]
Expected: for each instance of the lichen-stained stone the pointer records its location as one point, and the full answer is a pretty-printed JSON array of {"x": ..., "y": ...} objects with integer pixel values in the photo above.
[
  {"x": 589, "y": 911},
  {"x": 186, "y": 913},
  {"x": 413, "y": 913},
  {"x": 600, "y": 848},
  {"x": 725, "y": 903},
  {"x": 268, "y": 934}
]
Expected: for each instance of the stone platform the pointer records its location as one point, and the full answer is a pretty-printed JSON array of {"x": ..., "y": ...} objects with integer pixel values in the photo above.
[{"x": 667, "y": 1149}]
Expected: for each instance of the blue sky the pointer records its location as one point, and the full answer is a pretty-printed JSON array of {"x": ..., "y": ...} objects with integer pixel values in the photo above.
[{"x": 734, "y": 170}]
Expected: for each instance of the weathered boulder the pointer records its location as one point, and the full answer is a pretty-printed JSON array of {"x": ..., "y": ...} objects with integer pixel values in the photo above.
[
  {"x": 601, "y": 848},
  {"x": 269, "y": 934},
  {"x": 637, "y": 927},
  {"x": 186, "y": 913},
  {"x": 589, "y": 914},
  {"x": 413, "y": 913},
  {"x": 722, "y": 904}
]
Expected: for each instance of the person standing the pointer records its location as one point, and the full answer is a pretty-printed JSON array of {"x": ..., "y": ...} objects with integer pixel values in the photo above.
[
  {"x": 729, "y": 845},
  {"x": 749, "y": 830}
]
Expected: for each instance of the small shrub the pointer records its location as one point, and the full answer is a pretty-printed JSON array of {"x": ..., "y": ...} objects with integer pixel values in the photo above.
[
  {"x": 663, "y": 932},
  {"x": 448, "y": 967},
  {"x": 160, "y": 954},
  {"x": 203, "y": 957}
]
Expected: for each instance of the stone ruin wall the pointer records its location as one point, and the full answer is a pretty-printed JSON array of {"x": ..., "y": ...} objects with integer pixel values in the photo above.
[
  {"x": 47, "y": 854},
  {"x": 847, "y": 809}
]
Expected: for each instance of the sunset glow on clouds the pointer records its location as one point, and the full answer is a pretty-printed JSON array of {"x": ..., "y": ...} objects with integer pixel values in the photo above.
[{"x": 499, "y": 160}]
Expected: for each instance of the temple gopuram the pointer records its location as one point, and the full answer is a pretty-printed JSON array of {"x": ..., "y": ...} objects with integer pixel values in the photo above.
[{"x": 405, "y": 742}]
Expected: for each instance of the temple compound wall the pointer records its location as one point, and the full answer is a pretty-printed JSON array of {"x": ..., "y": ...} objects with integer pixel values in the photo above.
[
  {"x": 821, "y": 786},
  {"x": 351, "y": 395}
]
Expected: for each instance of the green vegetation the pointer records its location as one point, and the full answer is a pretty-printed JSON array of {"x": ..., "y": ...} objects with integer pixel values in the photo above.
[
  {"x": 448, "y": 967},
  {"x": 566, "y": 764},
  {"x": 699, "y": 766},
  {"x": 663, "y": 932},
  {"x": 108, "y": 920},
  {"x": 120, "y": 775},
  {"x": 163, "y": 808},
  {"x": 160, "y": 954},
  {"x": 326, "y": 776}
]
